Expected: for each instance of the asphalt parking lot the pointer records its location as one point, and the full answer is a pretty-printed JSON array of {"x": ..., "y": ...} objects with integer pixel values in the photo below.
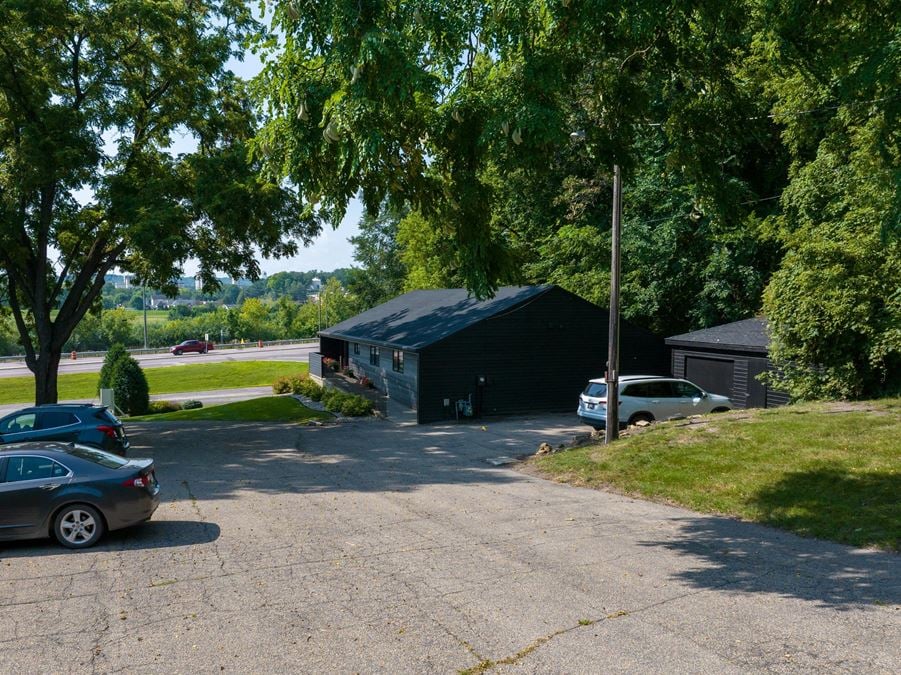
[{"x": 374, "y": 547}]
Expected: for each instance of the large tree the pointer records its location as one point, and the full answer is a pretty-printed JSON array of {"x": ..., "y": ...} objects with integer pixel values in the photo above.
[{"x": 92, "y": 95}]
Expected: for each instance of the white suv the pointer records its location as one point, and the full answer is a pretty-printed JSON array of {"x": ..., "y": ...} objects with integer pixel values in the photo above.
[{"x": 649, "y": 398}]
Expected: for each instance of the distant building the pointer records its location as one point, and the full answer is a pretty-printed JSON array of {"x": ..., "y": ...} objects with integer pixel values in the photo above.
[
  {"x": 198, "y": 283},
  {"x": 316, "y": 285}
]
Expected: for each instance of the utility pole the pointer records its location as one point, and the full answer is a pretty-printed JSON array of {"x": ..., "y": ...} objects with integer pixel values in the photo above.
[
  {"x": 611, "y": 432},
  {"x": 144, "y": 306},
  {"x": 319, "y": 304}
]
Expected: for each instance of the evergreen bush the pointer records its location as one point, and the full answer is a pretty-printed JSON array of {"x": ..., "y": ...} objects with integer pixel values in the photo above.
[
  {"x": 130, "y": 386},
  {"x": 115, "y": 354}
]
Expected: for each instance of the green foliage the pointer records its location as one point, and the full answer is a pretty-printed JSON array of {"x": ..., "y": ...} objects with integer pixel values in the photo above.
[
  {"x": 162, "y": 407},
  {"x": 72, "y": 77},
  {"x": 349, "y": 405},
  {"x": 116, "y": 353},
  {"x": 307, "y": 387},
  {"x": 835, "y": 305},
  {"x": 282, "y": 385},
  {"x": 130, "y": 386},
  {"x": 376, "y": 249},
  {"x": 96, "y": 333}
]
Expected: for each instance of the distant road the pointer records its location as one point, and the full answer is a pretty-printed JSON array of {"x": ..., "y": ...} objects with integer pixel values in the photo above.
[
  {"x": 215, "y": 397},
  {"x": 248, "y": 353}
]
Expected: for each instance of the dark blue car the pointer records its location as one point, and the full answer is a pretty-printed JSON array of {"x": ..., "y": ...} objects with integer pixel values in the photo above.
[
  {"x": 83, "y": 423},
  {"x": 72, "y": 492}
]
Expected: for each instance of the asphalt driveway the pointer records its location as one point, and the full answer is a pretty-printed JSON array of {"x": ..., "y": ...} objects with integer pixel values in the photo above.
[{"x": 378, "y": 547}]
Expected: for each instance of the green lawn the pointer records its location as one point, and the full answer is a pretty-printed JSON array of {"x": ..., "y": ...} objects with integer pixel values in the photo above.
[
  {"x": 824, "y": 470},
  {"x": 195, "y": 377},
  {"x": 268, "y": 409}
]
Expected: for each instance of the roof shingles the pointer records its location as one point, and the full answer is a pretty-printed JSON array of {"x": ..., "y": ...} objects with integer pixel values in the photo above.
[
  {"x": 748, "y": 335},
  {"x": 417, "y": 319}
]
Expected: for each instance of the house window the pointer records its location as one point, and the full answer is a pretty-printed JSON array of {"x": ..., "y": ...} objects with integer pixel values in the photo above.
[
  {"x": 373, "y": 356},
  {"x": 397, "y": 360},
  {"x": 356, "y": 348}
]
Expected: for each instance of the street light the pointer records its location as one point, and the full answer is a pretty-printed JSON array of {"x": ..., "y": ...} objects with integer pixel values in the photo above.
[{"x": 611, "y": 426}]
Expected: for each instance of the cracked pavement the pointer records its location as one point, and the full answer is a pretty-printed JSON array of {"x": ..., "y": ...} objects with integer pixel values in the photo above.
[{"x": 377, "y": 547}]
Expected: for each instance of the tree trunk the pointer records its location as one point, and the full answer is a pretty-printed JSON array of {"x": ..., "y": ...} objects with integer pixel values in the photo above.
[{"x": 45, "y": 374}]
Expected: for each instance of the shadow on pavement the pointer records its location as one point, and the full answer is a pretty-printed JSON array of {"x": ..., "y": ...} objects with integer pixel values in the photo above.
[
  {"x": 218, "y": 460},
  {"x": 150, "y": 535},
  {"x": 747, "y": 558}
]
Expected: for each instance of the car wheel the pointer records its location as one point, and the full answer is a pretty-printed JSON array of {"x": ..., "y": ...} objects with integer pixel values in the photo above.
[
  {"x": 177, "y": 352},
  {"x": 641, "y": 417},
  {"x": 78, "y": 526},
  {"x": 719, "y": 410}
]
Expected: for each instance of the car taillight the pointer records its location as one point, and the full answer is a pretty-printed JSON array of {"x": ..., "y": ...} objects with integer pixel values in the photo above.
[
  {"x": 108, "y": 430},
  {"x": 138, "y": 482}
]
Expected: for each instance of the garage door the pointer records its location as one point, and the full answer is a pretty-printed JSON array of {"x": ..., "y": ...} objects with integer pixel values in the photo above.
[{"x": 713, "y": 375}]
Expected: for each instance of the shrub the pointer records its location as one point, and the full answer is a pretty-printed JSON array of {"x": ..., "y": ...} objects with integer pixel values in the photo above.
[
  {"x": 346, "y": 404},
  {"x": 130, "y": 387},
  {"x": 191, "y": 405},
  {"x": 115, "y": 354},
  {"x": 297, "y": 383},
  {"x": 310, "y": 389},
  {"x": 282, "y": 385},
  {"x": 356, "y": 406},
  {"x": 160, "y": 407}
]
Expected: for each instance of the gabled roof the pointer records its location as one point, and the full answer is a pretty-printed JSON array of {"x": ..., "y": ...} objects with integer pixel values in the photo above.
[
  {"x": 749, "y": 335},
  {"x": 417, "y": 319}
]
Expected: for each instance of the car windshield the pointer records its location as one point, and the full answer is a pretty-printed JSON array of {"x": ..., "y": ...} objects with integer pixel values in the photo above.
[
  {"x": 97, "y": 456},
  {"x": 596, "y": 389}
]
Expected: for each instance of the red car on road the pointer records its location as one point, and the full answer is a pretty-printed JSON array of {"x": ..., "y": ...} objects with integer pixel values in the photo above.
[{"x": 198, "y": 346}]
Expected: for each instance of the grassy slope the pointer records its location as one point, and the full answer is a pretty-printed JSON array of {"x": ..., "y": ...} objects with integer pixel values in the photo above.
[
  {"x": 267, "y": 409},
  {"x": 195, "y": 377},
  {"x": 828, "y": 470}
]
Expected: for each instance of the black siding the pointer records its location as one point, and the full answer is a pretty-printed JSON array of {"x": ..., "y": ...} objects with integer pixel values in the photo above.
[
  {"x": 536, "y": 357},
  {"x": 744, "y": 388}
]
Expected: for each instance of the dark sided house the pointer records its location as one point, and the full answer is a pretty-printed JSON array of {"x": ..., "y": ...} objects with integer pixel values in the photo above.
[
  {"x": 727, "y": 360},
  {"x": 527, "y": 349}
]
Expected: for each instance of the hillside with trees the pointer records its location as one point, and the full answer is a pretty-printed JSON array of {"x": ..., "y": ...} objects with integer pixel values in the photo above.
[{"x": 760, "y": 142}]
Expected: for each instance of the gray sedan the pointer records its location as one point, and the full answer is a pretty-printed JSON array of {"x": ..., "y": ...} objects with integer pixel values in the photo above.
[{"x": 72, "y": 492}]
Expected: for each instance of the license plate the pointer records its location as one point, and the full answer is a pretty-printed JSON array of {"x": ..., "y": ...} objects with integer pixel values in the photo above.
[{"x": 590, "y": 406}]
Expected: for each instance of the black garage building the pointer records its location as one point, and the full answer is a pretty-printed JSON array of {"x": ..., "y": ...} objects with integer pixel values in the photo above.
[
  {"x": 727, "y": 360},
  {"x": 527, "y": 349}
]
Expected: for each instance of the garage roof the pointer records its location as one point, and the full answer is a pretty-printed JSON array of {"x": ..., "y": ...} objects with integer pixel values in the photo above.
[
  {"x": 417, "y": 319},
  {"x": 749, "y": 335}
]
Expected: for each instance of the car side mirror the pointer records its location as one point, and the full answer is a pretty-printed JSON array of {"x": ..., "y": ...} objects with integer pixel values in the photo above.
[{"x": 703, "y": 394}]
